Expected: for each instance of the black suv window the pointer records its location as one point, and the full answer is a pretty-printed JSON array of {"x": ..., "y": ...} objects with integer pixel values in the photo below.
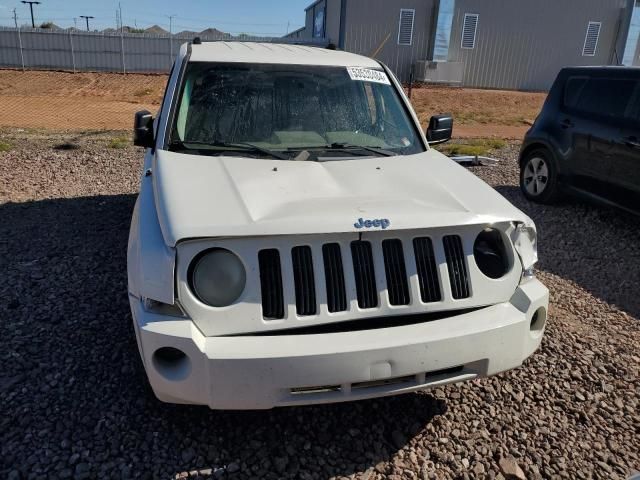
[
  {"x": 573, "y": 90},
  {"x": 602, "y": 97}
]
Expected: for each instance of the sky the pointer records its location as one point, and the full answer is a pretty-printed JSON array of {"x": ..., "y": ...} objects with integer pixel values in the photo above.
[{"x": 262, "y": 17}]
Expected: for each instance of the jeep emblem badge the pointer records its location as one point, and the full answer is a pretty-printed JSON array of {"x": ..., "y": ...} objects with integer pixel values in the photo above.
[{"x": 383, "y": 223}]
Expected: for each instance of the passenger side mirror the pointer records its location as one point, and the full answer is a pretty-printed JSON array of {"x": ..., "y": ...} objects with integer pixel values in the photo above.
[
  {"x": 143, "y": 129},
  {"x": 440, "y": 129}
]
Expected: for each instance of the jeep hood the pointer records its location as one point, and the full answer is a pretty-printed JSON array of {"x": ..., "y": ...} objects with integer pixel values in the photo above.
[{"x": 203, "y": 196}]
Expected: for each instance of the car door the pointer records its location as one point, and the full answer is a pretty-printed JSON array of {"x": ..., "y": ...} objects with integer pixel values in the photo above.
[
  {"x": 593, "y": 116},
  {"x": 626, "y": 162}
]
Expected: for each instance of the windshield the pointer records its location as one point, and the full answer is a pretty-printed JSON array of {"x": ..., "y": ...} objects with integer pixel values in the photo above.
[{"x": 291, "y": 112}]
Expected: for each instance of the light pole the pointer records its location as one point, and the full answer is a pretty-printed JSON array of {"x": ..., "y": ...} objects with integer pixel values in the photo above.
[
  {"x": 87, "y": 17},
  {"x": 33, "y": 24},
  {"x": 171, "y": 17}
]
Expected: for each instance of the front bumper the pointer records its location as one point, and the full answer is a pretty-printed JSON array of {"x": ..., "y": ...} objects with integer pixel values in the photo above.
[{"x": 259, "y": 372}]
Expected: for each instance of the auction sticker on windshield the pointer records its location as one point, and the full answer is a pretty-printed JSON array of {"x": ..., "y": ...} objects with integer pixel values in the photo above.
[{"x": 368, "y": 75}]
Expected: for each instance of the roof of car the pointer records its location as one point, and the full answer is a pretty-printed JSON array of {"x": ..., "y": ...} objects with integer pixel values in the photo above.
[
  {"x": 279, "y": 53},
  {"x": 597, "y": 68}
]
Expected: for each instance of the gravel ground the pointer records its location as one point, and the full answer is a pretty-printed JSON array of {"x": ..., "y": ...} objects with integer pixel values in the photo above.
[{"x": 74, "y": 401}]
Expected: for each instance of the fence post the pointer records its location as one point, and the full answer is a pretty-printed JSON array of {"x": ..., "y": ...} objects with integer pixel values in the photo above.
[
  {"x": 73, "y": 55},
  {"x": 170, "y": 50},
  {"x": 20, "y": 46},
  {"x": 124, "y": 67}
]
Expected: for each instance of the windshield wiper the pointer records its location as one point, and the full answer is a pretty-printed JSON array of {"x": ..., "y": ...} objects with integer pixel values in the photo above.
[
  {"x": 349, "y": 147},
  {"x": 244, "y": 147}
]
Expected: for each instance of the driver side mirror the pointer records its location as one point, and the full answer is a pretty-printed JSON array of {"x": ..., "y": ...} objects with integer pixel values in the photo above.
[
  {"x": 440, "y": 129},
  {"x": 143, "y": 129}
]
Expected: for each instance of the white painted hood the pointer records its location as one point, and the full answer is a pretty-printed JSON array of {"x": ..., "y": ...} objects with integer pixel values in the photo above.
[{"x": 201, "y": 196}]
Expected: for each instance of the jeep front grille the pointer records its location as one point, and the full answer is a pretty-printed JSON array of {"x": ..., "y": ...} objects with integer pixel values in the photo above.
[
  {"x": 427, "y": 270},
  {"x": 365, "y": 275},
  {"x": 334, "y": 278},
  {"x": 395, "y": 271},
  {"x": 458, "y": 276},
  {"x": 303, "y": 281},
  {"x": 271, "y": 284},
  {"x": 360, "y": 272}
]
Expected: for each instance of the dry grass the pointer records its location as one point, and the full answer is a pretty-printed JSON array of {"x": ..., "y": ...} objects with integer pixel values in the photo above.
[
  {"x": 479, "y": 147},
  {"x": 119, "y": 142}
]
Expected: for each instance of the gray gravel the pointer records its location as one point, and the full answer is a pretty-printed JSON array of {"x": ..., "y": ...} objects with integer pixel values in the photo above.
[{"x": 74, "y": 402}]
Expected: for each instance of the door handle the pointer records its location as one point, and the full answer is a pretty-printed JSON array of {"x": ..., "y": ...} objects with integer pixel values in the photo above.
[
  {"x": 566, "y": 123},
  {"x": 632, "y": 142}
]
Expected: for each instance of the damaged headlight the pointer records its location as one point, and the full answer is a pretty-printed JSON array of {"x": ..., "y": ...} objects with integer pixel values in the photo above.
[{"x": 524, "y": 238}]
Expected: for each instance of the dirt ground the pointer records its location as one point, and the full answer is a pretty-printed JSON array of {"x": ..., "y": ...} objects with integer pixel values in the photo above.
[
  {"x": 107, "y": 101},
  {"x": 480, "y": 113},
  {"x": 80, "y": 101}
]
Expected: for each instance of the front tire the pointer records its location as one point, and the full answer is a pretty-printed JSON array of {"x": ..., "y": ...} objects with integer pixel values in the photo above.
[{"x": 539, "y": 177}]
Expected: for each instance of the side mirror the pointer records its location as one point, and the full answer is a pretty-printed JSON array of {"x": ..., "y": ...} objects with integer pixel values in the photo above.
[
  {"x": 143, "y": 129},
  {"x": 440, "y": 129}
]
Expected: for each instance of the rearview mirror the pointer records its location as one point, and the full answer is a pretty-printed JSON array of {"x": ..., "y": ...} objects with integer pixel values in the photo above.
[
  {"x": 440, "y": 129},
  {"x": 143, "y": 129}
]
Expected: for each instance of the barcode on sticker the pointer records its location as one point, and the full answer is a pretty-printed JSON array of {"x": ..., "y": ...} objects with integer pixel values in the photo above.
[{"x": 368, "y": 75}]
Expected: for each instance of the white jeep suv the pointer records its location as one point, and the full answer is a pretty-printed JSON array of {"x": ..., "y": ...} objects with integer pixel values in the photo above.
[{"x": 297, "y": 241}]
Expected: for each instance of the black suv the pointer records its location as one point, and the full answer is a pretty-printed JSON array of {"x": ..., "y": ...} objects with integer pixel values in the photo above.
[{"x": 586, "y": 140}]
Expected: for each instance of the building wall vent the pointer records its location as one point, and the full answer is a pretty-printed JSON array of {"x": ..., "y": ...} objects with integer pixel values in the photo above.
[
  {"x": 591, "y": 39},
  {"x": 405, "y": 29},
  {"x": 469, "y": 30}
]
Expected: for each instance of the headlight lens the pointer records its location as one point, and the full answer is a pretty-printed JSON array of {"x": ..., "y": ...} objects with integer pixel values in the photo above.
[
  {"x": 490, "y": 254},
  {"x": 524, "y": 239},
  {"x": 218, "y": 277}
]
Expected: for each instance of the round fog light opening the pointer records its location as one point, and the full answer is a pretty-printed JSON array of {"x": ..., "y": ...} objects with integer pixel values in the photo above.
[
  {"x": 172, "y": 363},
  {"x": 538, "y": 320},
  {"x": 218, "y": 277}
]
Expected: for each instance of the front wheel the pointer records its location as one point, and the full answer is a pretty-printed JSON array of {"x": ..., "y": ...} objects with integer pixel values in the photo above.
[{"x": 539, "y": 177}]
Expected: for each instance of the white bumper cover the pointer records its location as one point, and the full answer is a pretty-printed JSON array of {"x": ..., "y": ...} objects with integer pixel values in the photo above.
[{"x": 258, "y": 372}]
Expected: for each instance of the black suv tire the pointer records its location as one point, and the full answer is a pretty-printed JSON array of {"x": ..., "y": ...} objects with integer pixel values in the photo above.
[{"x": 539, "y": 177}]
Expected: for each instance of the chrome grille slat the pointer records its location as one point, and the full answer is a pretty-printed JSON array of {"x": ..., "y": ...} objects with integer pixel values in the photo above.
[
  {"x": 271, "y": 284},
  {"x": 303, "y": 281},
  {"x": 427, "y": 270},
  {"x": 396, "y": 272},
  {"x": 364, "y": 274},
  {"x": 458, "y": 275},
  {"x": 334, "y": 278}
]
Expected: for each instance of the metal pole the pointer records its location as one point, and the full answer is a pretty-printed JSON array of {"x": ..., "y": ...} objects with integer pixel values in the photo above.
[
  {"x": 21, "y": 50},
  {"x": 15, "y": 19},
  {"x": 73, "y": 55},
  {"x": 124, "y": 67},
  {"x": 87, "y": 17},
  {"x": 171, "y": 40},
  {"x": 410, "y": 82},
  {"x": 31, "y": 3}
]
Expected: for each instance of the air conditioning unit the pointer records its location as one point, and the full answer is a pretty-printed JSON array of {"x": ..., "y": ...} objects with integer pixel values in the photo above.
[{"x": 439, "y": 72}]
